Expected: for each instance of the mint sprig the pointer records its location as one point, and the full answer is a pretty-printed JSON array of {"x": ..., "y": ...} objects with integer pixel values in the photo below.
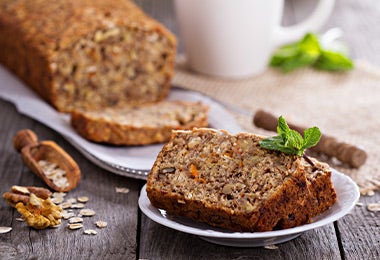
[
  {"x": 290, "y": 141},
  {"x": 309, "y": 52}
]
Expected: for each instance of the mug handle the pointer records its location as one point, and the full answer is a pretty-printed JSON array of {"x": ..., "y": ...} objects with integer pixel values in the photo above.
[{"x": 314, "y": 22}]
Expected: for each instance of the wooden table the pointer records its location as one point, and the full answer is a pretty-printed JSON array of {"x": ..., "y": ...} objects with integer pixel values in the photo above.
[{"x": 130, "y": 234}]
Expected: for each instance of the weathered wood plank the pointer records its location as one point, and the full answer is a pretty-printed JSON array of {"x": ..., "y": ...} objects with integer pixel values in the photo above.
[
  {"x": 159, "y": 242},
  {"x": 359, "y": 231},
  {"x": 117, "y": 241}
]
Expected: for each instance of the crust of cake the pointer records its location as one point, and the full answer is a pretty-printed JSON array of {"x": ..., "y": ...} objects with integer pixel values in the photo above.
[
  {"x": 139, "y": 125},
  {"x": 87, "y": 53},
  {"x": 166, "y": 191},
  {"x": 323, "y": 194}
]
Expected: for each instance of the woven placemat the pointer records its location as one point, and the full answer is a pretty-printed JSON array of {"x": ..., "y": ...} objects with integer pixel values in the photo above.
[{"x": 343, "y": 105}]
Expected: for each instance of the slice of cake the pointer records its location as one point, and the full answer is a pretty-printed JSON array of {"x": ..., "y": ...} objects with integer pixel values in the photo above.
[
  {"x": 322, "y": 191},
  {"x": 230, "y": 181},
  {"x": 139, "y": 124}
]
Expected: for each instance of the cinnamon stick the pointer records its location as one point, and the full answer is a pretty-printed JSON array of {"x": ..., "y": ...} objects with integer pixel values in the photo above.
[{"x": 330, "y": 146}]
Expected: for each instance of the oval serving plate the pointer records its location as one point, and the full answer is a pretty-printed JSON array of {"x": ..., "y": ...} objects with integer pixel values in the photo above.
[{"x": 347, "y": 196}]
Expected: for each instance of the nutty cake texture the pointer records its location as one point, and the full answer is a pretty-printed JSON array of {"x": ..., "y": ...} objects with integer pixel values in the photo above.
[
  {"x": 139, "y": 124},
  {"x": 229, "y": 181},
  {"x": 87, "y": 53}
]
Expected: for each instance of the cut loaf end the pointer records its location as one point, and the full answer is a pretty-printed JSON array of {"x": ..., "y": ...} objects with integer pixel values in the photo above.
[
  {"x": 87, "y": 54},
  {"x": 139, "y": 124}
]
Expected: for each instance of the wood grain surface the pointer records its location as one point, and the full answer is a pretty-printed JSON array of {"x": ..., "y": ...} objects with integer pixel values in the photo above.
[{"x": 130, "y": 234}]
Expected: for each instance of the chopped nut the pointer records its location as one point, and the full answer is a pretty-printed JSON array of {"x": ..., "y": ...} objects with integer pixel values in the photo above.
[
  {"x": 90, "y": 232},
  {"x": 101, "y": 224},
  {"x": 87, "y": 212},
  {"x": 20, "y": 190},
  {"x": 38, "y": 191},
  {"x": 21, "y": 194},
  {"x": 39, "y": 213},
  {"x": 168, "y": 170},
  {"x": 4, "y": 230},
  {"x": 13, "y": 198},
  {"x": 227, "y": 189},
  {"x": 75, "y": 226},
  {"x": 194, "y": 141}
]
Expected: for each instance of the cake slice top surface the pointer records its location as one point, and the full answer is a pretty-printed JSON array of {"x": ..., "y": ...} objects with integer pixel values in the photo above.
[{"x": 222, "y": 170}]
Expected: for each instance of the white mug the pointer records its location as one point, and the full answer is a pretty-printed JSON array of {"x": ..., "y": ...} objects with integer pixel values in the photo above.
[{"x": 235, "y": 38}]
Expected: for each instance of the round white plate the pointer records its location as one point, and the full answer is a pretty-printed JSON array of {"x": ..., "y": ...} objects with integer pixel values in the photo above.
[{"x": 347, "y": 196}]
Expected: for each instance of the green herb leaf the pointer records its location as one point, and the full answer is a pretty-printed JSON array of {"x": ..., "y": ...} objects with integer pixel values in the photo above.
[
  {"x": 311, "y": 137},
  {"x": 333, "y": 61},
  {"x": 308, "y": 52},
  {"x": 290, "y": 141}
]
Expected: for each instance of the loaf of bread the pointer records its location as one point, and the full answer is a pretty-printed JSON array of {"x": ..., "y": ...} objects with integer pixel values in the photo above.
[
  {"x": 139, "y": 124},
  {"x": 229, "y": 181},
  {"x": 87, "y": 53}
]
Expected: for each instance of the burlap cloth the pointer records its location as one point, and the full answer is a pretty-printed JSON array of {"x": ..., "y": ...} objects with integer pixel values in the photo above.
[{"x": 342, "y": 105}]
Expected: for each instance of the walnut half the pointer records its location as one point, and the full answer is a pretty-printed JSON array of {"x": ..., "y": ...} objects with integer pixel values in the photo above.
[
  {"x": 40, "y": 213},
  {"x": 35, "y": 206},
  {"x": 21, "y": 194}
]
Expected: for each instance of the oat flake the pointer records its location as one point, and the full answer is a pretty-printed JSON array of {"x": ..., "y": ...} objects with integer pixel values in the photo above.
[
  {"x": 101, "y": 224},
  {"x": 272, "y": 247},
  {"x": 121, "y": 190},
  {"x": 57, "y": 200},
  {"x": 87, "y": 212},
  {"x": 75, "y": 226},
  {"x": 67, "y": 215},
  {"x": 82, "y": 199},
  {"x": 374, "y": 207},
  {"x": 75, "y": 220},
  {"x": 90, "y": 232},
  {"x": 77, "y": 206},
  {"x": 4, "y": 230}
]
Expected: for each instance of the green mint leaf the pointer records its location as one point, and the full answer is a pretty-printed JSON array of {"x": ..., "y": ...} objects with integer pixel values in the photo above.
[
  {"x": 301, "y": 60},
  {"x": 308, "y": 52},
  {"x": 333, "y": 61},
  {"x": 282, "y": 127},
  {"x": 295, "y": 140},
  {"x": 310, "y": 46},
  {"x": 276, "y": 143},
  {"x": 311, "y": 137},
  {"x": 297, "y": 55},
  {"x": 290, "y": 141},
  {"x": 284, "y": 53}
]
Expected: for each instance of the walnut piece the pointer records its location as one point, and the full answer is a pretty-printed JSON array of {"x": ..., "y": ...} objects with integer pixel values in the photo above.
[
  {"x": 40, "y": 213},
  {"x": 21, "y": 194}
]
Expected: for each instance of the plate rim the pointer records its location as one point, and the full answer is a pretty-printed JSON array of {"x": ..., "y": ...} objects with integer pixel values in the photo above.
[{"x": 148, "y": 209}]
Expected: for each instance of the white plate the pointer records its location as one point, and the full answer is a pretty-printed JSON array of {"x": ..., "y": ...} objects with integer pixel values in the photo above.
[
  {"x": 133, "y": 161},
  {"x": 347, "y": 196}
]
